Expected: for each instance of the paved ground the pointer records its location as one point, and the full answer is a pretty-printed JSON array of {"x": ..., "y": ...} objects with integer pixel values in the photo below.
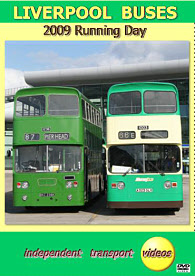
[{"x": 94, "y": 213}]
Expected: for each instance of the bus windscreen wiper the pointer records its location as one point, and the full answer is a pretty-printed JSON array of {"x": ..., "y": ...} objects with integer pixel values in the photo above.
[
  {"x": 127, "y": 171},
  {"x": 158, "y": 171}
]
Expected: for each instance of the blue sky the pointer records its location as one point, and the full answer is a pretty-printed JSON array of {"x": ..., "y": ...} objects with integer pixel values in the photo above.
[
  {"x": 19, "y": 54},
  {"x": 23, "y": 56}
]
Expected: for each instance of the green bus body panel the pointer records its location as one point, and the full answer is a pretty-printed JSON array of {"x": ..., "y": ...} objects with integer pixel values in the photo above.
[
  {"x": 129, "y": 194},
  {"x": 79, "y": 130},
  {"x": 142, "y": 87},
  {"x": 48, "y": 183}
]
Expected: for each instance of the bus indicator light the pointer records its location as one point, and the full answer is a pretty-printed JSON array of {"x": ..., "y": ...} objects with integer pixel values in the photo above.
[
  {"x": 18, "y": 185},
  {"x": 174, "y": 184},
  {"x": 113, "y": 185},
  {"x": 75, "y": 183}
]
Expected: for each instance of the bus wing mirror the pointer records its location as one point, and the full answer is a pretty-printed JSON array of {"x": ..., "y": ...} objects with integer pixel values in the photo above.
[{"x": 87, "y": 151}]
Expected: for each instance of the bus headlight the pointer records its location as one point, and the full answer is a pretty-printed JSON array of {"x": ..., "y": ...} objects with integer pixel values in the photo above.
[
  {"x": 69, "y": 184},
  {"x": 121, "y": 185},
  {"x": 167, "y": 184},
  {"x": 25, "y": 185}
]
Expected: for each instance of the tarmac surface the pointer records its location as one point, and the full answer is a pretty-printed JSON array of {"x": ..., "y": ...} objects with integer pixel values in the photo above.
[{"x": 95, "y": 213}]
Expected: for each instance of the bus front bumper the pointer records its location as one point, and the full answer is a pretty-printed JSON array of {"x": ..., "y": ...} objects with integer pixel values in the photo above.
[{"x": 142, "y": 204}]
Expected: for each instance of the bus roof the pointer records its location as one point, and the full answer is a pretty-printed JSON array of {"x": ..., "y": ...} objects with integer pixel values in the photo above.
[
  {"x": 142, "y": 86},
  {"x": 46, "y": 90}
]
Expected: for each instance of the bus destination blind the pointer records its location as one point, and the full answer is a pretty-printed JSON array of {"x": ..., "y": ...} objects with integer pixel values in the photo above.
[
  {"x": 31, "y": 136},
  {"x": 56, "y": 136}
]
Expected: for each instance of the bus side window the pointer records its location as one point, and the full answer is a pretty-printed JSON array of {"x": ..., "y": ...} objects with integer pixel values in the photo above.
[
  {"x": 96, "y": 117},
  {"x": 84, "y": 109},
  {"x": 93, "y": 117},
  {"x": 97, "y": 123},
  {"x": 90, "y": 113},
  {"x": 99, "y": 119},
  {"x": 87, "y": 109}
]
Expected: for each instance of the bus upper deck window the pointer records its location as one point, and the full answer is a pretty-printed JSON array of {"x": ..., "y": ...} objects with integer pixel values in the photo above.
[
  {"x": 63, "y": 105},
  {"x": 30, "y": 106},
  {"x": 160, "y": 102},
  {"x": 84, "y": 109},
  {"x": 125, "y": 103}
]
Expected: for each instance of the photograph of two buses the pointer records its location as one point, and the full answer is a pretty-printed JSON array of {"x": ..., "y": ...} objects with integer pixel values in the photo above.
[
  {"x": 58, "y": 159},
  {"x": 118, "y": 154}
]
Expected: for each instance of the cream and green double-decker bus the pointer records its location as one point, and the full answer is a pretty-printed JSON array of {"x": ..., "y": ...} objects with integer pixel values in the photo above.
[
  {"x": 144, "y": 146},
  {"x": 57, "y": 148}
]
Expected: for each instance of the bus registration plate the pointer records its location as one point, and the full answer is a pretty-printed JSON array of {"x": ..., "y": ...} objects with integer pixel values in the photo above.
[
  {"x": 46, "y": 194},
  {"x": 148, "y": 190}
]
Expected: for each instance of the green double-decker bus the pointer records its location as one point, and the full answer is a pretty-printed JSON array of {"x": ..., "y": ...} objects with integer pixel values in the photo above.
[
  {"x": 144, "y": 146},
  {"x": 57, "y": 148}
]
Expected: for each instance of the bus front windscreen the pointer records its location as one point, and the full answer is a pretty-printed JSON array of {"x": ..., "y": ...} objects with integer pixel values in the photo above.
[
  {"x": 48, "y": 158},
  {"x": 144, "y": 159}
]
